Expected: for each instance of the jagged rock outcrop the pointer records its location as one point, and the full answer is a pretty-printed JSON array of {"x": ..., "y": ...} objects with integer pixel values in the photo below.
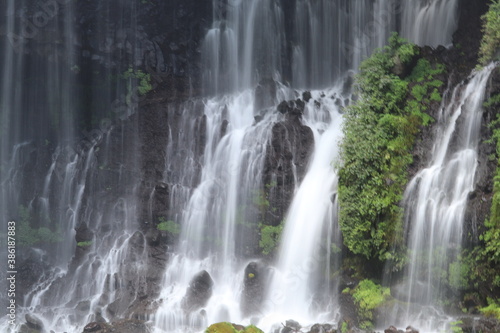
[{"x": 286, "y": 160}]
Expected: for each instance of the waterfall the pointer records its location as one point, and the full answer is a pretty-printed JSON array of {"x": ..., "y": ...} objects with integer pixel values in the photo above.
[
  {"x": 73, "y": 198},
  {"x": 72, "y": 171},
  {"x": 300, "y": 288},
  {"x": 435, "y": 202},
  {"x": 429, "y": 22},
  {"x": 250, "y": 42}
]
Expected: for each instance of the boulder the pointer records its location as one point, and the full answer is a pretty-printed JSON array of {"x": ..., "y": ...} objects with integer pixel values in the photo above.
[
  {"x": 254, "y": 284},
  {"x": 411, "y": 329},
  {"x": 198, "y": 292},
  {"x": 34, "y": 322},
  {"x": 306, "y": 96},
  {"x": 93, "y": 327},
  {"x": 322, "y": 328},
  {"x": 291, "y": 326},
  {"x": 392, "y": 329}
]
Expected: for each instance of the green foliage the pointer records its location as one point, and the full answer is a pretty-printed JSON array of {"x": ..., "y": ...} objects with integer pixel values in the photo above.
[
  {"x": 491, "y": 237},
  {"x": 493, "y": 100},
  {"x": 223, "y": 327},
  {"x": 368, "y": 296},
  {"x": 344, "y": 328},
  {"x": 458, "y": 274},
  {"x": 270, "y": 237},
  {"x": 29, "y": 236},
  {"x": 455, "y": 328},
  {"x": 84, "y": 244},
  {"x": 226, "y": 327},
  {"x": 492, "y": 310},
  {"x": 143, "y": 80},
  {"x": 484, "y": 259},
  {"x": 491, "y": 34},
  {"x": 259, "y": 199},
  {"x": 252, "y": 329},
  {"x": 379, "y": 133},
  {"x": 168, "y": 226}
]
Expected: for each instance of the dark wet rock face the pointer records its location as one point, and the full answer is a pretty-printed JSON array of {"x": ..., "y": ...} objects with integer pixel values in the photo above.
[{"x": 286, "y": 158}]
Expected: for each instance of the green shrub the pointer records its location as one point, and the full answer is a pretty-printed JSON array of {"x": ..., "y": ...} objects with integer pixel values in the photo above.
[
  {"x": 458, "y": 274},
  {"x": 225, "y": 327},
  {"x": 491, "y": 33},
  {"x": 143, "y": 80},
  {"x": 270, "y": 237},
  {"x": 492, "y": 310},
  {"x": 344, "y": 328},
  {"x": 168, "y": 226},
  {"x": 252, "y": 329},
  {"x": 368, "y": 296},
  {"x": 483, "y": 260},
  {"x": 379, "y": 134},
  {"x": 493, "y": 100},
  {"x": 455, "y": 328}
]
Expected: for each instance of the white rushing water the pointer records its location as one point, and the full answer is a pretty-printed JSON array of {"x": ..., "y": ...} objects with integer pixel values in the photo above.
[
  {"x": 435, "y": 202},
  {"x": 300, "y": 287},
  {"x": 429, "y": 22}
]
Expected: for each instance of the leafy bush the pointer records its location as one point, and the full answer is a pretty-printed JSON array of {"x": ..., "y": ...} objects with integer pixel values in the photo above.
[
  {"x": 143, "y": 80},
  {"x": 492, "y": 310},
  {"x": 368, "y": 296},
  {"x": 458, "y": 274},
  {"x": 270, "y": 237},
  {"x": 455, "y": 326},
  {"x": 168, "y": 226},
  {"x": 379, "y": 133},
  {"x": 225, "y": 327},
  {"x": 491, "y": 33},
  {"x": 493, "y": 100}
]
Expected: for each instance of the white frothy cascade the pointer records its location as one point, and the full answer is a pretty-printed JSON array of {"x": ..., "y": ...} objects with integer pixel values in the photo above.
[
  {"x": 435, "y": 202},
  {"x": 301, "y": 287}
]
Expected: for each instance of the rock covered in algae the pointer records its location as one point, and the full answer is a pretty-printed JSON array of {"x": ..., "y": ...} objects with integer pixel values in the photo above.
[{"x": 225, "y": 327}]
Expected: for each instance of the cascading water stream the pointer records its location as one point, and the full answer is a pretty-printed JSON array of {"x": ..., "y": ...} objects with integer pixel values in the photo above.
[
  {"x": 436, "y": 200},
  {"x": 429, "y": 22},
  {"x": 230, "y": 179},
  {"x": 55, "y": 181},
  {"x": 300, "y": 288}
]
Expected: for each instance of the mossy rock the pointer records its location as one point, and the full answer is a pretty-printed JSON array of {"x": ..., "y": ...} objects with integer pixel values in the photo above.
[
  {"x": 226, "y": 327},
  {"x": 252, "y": 329},
  {"x": 223, "y": 327}
]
